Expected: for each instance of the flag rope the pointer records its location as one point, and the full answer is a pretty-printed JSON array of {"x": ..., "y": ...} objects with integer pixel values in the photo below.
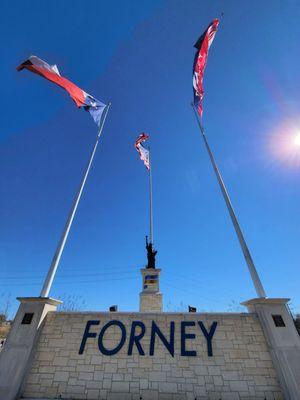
[
  {"x": 55, "y": 261},
  {"x": 252, "y": 269}
]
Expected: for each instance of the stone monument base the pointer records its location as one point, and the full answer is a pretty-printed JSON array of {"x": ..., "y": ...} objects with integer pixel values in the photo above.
[
  {"x": 16, "y": 356},
  {"x": 282, "y": 339}
]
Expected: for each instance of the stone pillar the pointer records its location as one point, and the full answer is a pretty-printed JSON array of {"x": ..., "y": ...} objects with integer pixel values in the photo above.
[
  {"x": 150, "y": 297},
  {"x": 17, "y": 353},
  {"x": 283, "y": 341}
]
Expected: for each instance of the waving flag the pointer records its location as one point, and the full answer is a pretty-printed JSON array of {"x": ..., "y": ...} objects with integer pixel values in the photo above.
[
  {"x": 202, "y": 45},
  {"x": 79, "y": 96},
  {"x": 143, "y": 152}
]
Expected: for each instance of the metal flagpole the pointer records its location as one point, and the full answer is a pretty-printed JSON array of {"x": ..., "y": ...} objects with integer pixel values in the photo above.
[
  {"x": 150, "y": 198},
  {"x": 55, "y": 261},
  {"x": 253, "y": 272}
]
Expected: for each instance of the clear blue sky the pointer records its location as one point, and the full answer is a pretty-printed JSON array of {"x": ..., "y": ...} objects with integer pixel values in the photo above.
[{"x": 139, "y": 55}]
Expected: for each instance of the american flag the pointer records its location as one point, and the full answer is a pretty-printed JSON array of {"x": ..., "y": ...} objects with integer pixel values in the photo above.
[
  {"x": 202, "y": 45},
  {"x": 143, "y": 152}
]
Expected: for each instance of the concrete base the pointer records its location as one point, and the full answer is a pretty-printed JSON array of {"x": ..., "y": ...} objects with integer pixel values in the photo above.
[
  {"x": 150, "y": 297},
  {"x": 15, "y": 358},
  {"x": 151, "y": 302},
  {"x": 283, "y": 341}
]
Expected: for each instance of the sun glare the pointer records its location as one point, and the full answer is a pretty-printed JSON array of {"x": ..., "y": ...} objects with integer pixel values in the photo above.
[
  {"x": 285, "y": 144},
  {"x": 297, "y": 139}
]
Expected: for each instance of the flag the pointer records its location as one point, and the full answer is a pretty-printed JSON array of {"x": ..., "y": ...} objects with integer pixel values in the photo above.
[
  {"x": 151, "y": 279},
  {"x": 202, "y": 46},
  {"x": 143, "y": 152},
  {"x": 79, "y": 96}
]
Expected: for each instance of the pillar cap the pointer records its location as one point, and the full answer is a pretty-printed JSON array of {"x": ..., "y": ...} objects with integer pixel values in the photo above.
[
  {"x": 266, "y": 300},
  {"x": 149, "y": 293},
  {"x": 45, "y": 300},
  {"x": 151, "y": 270}
]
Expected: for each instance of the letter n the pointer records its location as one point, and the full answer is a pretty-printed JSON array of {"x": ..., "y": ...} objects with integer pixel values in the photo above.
[{"x": 156, "y": 331}]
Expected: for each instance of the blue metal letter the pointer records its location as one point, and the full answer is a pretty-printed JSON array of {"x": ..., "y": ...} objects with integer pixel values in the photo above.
[
  {"x": 169, "y": 345},
  {"x": 87, "y": 334},
  {"x": 184, "y": 336},
  {"x": 208, "y": 335},
  {"x": 110, "y": 352},
  {"x": 136, "y": 338}
]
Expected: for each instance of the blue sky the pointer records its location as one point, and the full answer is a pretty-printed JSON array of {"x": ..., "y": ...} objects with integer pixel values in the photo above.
[{"x": 139, "y": 55}]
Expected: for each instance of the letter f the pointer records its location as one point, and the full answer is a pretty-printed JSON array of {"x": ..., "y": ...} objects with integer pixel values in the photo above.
[{"x": 87, "y": 334}]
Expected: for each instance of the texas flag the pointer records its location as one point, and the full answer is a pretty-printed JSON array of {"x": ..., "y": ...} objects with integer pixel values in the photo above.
[
  {"x": 79, "y": 96},
  {"x": 202, "y": 46}
]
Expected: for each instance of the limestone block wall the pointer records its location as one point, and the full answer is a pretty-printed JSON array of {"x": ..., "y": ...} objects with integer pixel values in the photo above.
[
  {"x": 240, "y": 366},
  {"x": 150, "y": 302}
]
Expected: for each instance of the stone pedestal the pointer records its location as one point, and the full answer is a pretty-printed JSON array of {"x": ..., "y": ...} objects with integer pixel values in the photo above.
[
  {"x": 150, "y": 297},
  {"x": 283, "y": 341},
  {"x": 15, "y": 358}
]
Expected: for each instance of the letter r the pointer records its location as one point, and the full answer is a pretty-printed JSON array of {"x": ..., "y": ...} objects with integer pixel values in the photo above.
[{"x": 135, "y": 339}]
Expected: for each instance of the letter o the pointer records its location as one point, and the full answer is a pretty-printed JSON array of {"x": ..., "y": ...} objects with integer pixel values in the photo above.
[{"x": 111, "y": 352}]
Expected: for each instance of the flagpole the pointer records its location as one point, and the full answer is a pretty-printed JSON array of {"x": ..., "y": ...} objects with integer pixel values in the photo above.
[
  {"x": 150, "y": 198},
  {"x": 253, "y": 272},
  {"x": 55, "y": 261}
]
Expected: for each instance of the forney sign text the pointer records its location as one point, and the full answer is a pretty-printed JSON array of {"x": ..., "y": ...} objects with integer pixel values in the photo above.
[{"x": 135, "y": 339}]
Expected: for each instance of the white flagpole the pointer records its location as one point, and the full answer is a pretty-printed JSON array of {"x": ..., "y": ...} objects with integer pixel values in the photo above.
[
  {"x": 253, "y": 272},
  {"x": 55, "y": 261},
  {"x": 150, "y": 198}
]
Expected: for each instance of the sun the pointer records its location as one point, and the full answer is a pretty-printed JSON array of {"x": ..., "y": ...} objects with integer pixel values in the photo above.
[
  {"x": 285, "y": 143},
  {"x": 297, "y": 139}
]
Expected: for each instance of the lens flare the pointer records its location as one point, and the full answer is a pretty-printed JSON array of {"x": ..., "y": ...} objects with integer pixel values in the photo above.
[
  {"x": 297, "y": 139},
  {"x": 285, "y": 144}
]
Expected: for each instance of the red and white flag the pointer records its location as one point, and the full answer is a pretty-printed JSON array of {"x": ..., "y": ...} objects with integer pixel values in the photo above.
[
  {"x": 143, "y": 152},
  {"x": 202, "y": 46},
  {"x": 79, "y": 96}
]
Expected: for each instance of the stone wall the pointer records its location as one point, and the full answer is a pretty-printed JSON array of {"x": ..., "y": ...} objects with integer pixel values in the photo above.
[
  {"x": 240, "y": 366},
  {"x": 150, "y": 301}
]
